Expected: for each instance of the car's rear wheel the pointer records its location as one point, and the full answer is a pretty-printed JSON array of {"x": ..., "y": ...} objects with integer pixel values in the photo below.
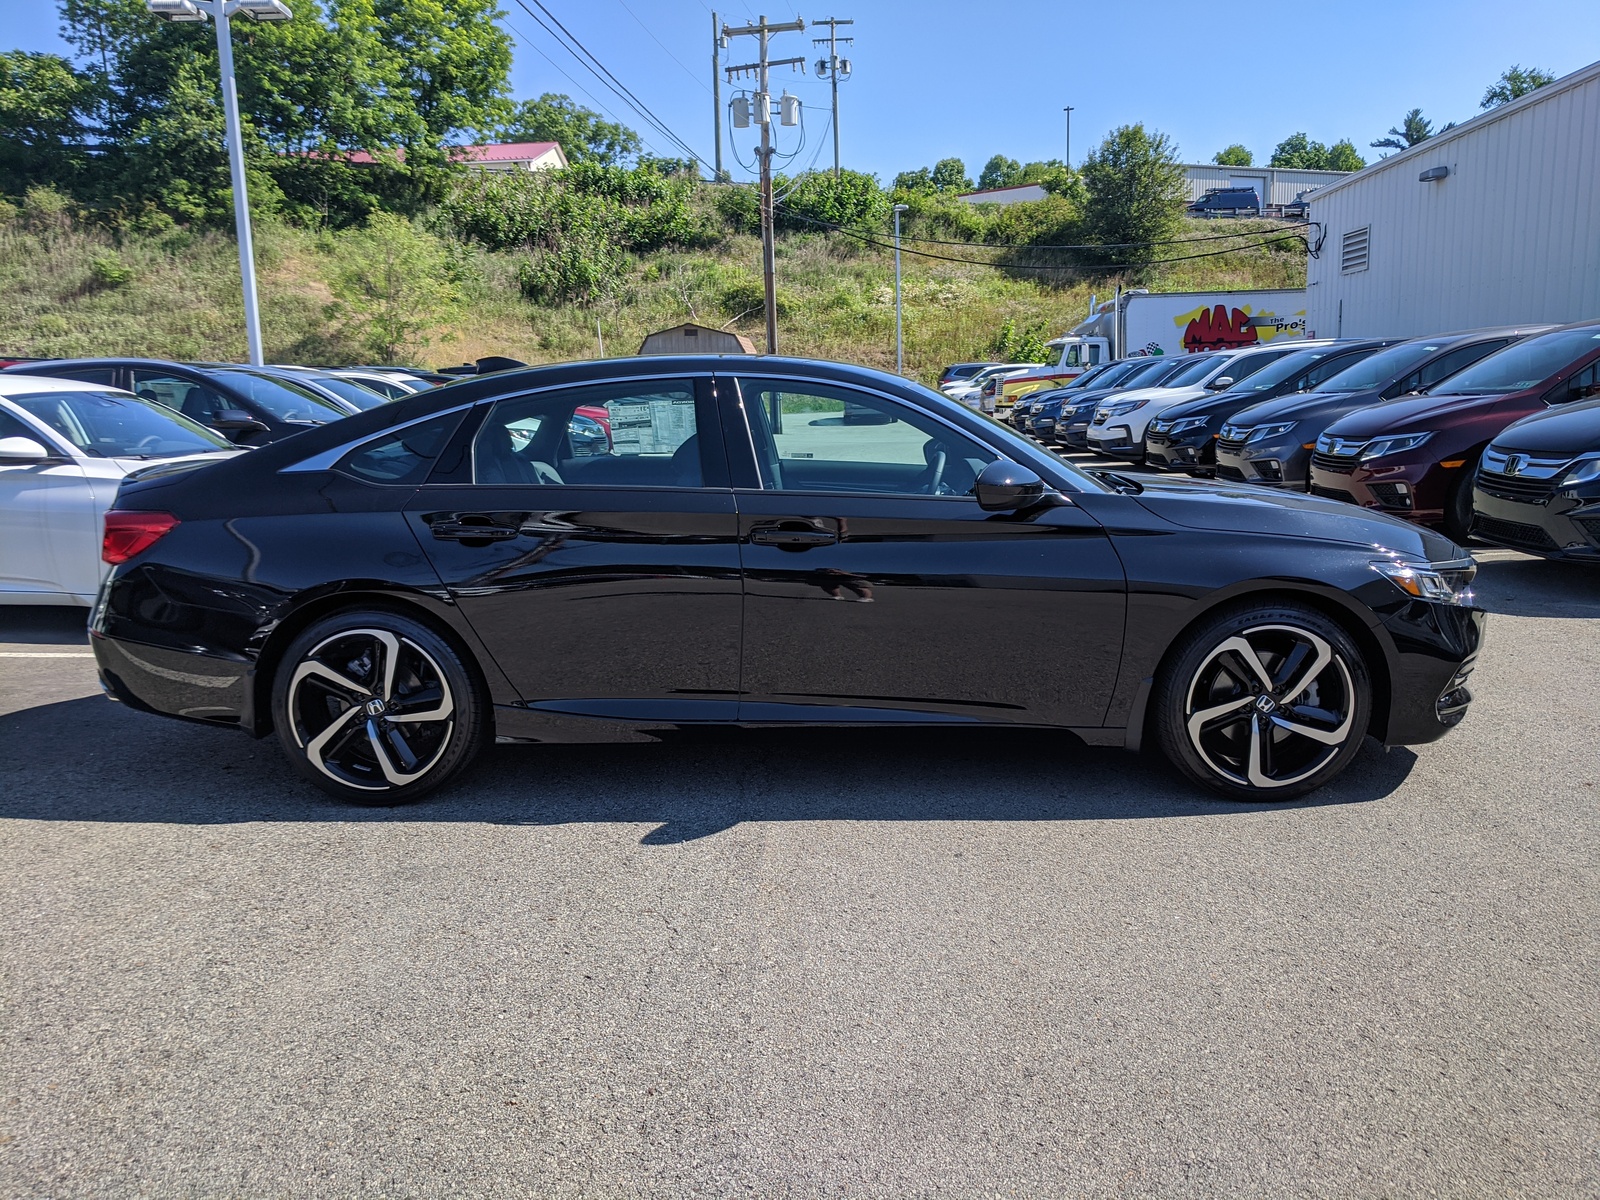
[
  {"x": 377, "y": 708},
  {"x": 1264, "y": 702}
]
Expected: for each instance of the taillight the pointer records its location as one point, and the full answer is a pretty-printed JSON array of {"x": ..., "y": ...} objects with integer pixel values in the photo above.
[{"x": 131, "y": 533}]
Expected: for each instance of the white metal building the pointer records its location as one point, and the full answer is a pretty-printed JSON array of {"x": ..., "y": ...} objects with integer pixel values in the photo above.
[
  {"x": 1015, "y": 194},
  {"x": 1494, "y": 222},
  {"x": 1275, "y": 185}
]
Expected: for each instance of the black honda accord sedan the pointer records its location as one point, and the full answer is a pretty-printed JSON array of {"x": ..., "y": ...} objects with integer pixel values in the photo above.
[{"x": 391, "y": 593}]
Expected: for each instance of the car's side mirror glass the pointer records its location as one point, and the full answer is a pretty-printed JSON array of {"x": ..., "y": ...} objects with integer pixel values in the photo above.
[
  {"x": 1005, "y": 486},
  {"x": 1221, "y": 383},
  {"x": 22, "y": 449}
]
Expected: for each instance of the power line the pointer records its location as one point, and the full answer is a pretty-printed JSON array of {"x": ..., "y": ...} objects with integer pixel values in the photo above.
[
  {"x": 701, "y": 83},
  {"x": 601, "y": 72}
]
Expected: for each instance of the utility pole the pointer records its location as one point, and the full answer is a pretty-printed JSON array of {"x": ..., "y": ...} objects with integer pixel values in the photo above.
[
  {"x": 716, "y": 87},
  {"x": 899, "y": 331},
  {"x": 1068, "y": 111},
  {"x": 761, "y": 111},
  {"x": 835, "y": 68}
]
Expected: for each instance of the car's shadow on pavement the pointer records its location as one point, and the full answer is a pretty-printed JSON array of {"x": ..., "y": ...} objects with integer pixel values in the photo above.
[
  {"x": 91, "y": 760},
  {"x": 1520, "y": 585}
]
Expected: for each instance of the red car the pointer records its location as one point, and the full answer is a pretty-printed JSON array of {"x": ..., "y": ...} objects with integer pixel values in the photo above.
[{"x": 1416, "y": 458}]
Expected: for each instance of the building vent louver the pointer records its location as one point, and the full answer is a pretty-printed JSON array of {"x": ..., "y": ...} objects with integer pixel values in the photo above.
[{"x": 1353, "y": 250}]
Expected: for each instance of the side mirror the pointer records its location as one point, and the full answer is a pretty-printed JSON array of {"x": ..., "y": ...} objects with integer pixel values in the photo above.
[
  {"x": 1005, "y": 486},
  {"x": 1221, "y": 384},
  {"x": 22, "y": 449},
  {"x": 236, "y": 420}
]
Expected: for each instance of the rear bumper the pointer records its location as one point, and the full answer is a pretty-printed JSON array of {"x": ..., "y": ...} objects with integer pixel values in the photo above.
[
  {"x": 1565, "y": 525},
  {"x": 176, "y": 683}
]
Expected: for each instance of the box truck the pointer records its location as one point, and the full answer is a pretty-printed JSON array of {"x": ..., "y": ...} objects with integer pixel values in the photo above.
[{"x": 1138, "y": 323}]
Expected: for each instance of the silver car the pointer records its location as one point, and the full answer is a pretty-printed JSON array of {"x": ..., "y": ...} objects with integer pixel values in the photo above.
[{"x": 65, "y": 448}]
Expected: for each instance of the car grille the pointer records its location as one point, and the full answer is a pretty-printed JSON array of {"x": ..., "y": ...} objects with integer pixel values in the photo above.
[
  {"x": 1516, "y": 487},
  {"x": 1335, "y": 464},
  {"x": 1513, "y": 533},
  {"x": 1227, "y": 472},
  {"x": 1391, "y": 495},
  {"x": 1591, "y": 527},
  {"x": 1157, "y": 439},
  {"x": 1329, "y": 493},
  {"x": 1233, "y": 446}
]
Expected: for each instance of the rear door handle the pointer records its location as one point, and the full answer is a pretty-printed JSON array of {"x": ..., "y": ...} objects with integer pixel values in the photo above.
[
  {"x": 470, "y": 531},
  {"x": 792, "y": 536}
]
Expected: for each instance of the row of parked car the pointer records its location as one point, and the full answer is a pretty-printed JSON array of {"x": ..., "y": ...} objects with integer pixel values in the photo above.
[{"x": 1485, "y": 433}]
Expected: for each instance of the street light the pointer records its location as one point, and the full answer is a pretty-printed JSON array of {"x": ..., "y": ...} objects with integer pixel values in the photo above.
[
  {"x": 220, "y": 11},
  {"x": 899, "y": 333}
]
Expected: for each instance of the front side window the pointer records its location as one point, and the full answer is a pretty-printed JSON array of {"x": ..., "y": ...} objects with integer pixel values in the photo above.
[
  {"x": 1447, "y": 365},
  {"x": 194, "y": 400},
  {"x": 812, "y": 437},
  {"x": 284, "y": 400},
  {"x": 643, "y": 434},
  {"x": 117, "y": 425}
]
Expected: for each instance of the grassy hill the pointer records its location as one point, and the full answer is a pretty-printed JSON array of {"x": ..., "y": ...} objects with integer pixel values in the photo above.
[{"x": 67, "y": 288}]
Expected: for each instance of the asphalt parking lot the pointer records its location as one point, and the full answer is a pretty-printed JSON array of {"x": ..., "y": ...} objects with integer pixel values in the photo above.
[{"x": 805, "y": 964}]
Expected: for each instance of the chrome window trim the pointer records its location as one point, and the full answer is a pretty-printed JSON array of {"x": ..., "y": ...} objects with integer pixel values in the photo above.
[
  {"x": 1002, "y": 451},
  {"x": 324, "y": 460}
]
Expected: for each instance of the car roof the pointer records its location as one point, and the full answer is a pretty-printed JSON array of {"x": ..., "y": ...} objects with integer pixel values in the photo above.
[{"x": 21, "y": 384}]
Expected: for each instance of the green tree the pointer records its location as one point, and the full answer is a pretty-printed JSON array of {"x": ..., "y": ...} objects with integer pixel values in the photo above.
[
  {"x": 854, "y": 200},
  {"x": 1136, "y": 193},
  {"x": 1299, "y": 152},
  {"x": 1515, "y": 81},
  {"x": 43, "y": 105},
  {"x": 1000, "y": 172},
  {"x": 1343, "y": 156},
  {"x": 920, "y": 180},
  {"x": 950, "y": 175},
  {"x": 1235, "y": 155},
  {"x": 392, "y": 287},
  {"x": 1413, "y": 130},
  {"x": 584, "y": 135}
]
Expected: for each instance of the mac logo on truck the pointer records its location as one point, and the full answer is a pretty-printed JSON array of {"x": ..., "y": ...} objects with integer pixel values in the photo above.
[{"x": 1217, "y": 327}]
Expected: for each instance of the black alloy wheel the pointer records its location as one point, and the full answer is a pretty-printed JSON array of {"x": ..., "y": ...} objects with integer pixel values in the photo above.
[
  {"x": 376, "y": 708},
  {"x": 1263, "y": 703}
]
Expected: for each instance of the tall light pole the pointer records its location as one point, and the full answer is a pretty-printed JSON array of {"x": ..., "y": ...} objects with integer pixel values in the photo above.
[
  {"x": 899, "y": 329},
  {"x": 1068, "y": 111},
  {"x": 220, "y": 11}
]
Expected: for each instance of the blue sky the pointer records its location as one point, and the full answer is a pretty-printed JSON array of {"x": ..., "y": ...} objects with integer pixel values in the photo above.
[{"x": 943, "y": 78}]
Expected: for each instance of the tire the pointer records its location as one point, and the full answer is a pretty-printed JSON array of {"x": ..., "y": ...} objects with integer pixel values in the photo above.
[
  {"x": 376, "y": 708},
  {"x": 1221, "y": 724},
  {"x": 1458, "y": 506}
]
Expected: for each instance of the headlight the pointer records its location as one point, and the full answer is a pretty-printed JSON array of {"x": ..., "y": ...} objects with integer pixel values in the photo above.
[
  {"x": 1127, "y": 406},
  {"x": 1188, "y": 424},
  {"x": 1378, "y": 447},
  {"x": 1261, "y": 432},
  {"x": 1583, "y": 471},
  {"x": 1438, "y": 583}
]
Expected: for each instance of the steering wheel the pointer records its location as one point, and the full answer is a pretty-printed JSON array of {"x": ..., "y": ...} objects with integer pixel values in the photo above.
[
  {"x": 152, "y": 441},
  {"x": 939, "y": 460}
]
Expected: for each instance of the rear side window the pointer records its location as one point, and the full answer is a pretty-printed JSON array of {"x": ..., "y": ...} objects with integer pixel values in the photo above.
[{"x": 404, "y": 456}]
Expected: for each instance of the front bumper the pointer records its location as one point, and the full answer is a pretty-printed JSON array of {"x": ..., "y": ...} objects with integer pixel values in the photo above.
[
  {"x": 1562, "y": 524},
  {"x": 1116, "y": 441},
  {"x": 1412, "y": 490},
  {"x": 1282, "y": 464},
  {"x": 1191, "y": 451},
  {"x": 1437, "y": 647}
]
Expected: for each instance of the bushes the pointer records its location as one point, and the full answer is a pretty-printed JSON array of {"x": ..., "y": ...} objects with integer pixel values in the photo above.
[{"x": 854, "y": 200}]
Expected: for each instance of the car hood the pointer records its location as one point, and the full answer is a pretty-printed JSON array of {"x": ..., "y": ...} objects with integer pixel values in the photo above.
[
  {"x": 1414, "y": 415},
  {"x": 1308, "y": 406},
  {"x": 1572, "y": 429},
  {"x": 1243, "y": 508},
  {"x": 1212, "y": 404}
]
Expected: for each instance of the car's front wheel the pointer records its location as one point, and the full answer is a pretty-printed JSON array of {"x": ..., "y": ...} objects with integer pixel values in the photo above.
[
  {"x": 376, "y": 708},
  {"x": 1263, "y": 702}
]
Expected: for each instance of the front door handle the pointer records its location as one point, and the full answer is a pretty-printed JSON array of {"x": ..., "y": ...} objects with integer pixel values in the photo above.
[
  {"x": 468, "y": 530},
  {"x": 792, "y": 536}
]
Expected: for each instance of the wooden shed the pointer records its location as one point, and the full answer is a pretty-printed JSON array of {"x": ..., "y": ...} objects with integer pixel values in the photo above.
[{"x": 690, "y": 338}]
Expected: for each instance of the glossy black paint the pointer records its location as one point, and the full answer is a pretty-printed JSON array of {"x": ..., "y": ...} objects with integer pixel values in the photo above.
[
  {"x": 265, "y": 427},
  {"x": 1540, "y": 510},
  {"x": 601, "y": 613}
]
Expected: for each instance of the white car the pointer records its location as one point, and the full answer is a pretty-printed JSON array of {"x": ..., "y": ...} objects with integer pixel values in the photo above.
[
  {"x": 1119, "y": 424},
  {"x": 969, "y": 391},
  {"x": 65, "y": 448}
]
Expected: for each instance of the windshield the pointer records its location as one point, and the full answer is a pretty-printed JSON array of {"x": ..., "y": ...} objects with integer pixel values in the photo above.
[
  {"x": 117, "y": 425},
  {"x": 1521, "y": 364},
  {"x": 1117, "y": 372},
  {"x": 1148, "y": 372},
  {"x": 1274, "y": 373},
  {"x": 1382, "y": 369},
  {"x": 284, "y": 400},
  {"x": 1092, "y": 376},
  {"x": 1192, "y": 372},
  {"x": 358, "y": 394}
]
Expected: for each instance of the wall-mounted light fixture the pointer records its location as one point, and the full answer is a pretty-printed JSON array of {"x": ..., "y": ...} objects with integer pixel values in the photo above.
[{"x": 1433, "y": 174}]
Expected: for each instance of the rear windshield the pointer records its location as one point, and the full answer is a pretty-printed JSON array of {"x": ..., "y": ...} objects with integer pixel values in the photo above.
[
  {"x": 1522, "y": 364},
  {"x": 117, "y": 425},
  {"x": 284, "y": 400},
  {"x": 1383, "y": 368}
]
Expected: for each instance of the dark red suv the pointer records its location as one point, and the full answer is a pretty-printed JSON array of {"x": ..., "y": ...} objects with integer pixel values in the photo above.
[{"x": 1416, "y": 458}]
